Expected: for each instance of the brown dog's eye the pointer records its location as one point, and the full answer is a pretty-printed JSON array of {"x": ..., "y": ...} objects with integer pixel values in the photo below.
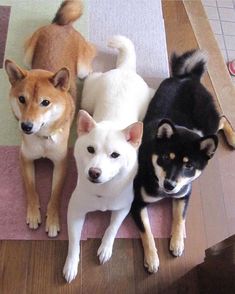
[
  {"x": 45, "y": 103},
  {"x": 115, "y": 155},
  {"x": 22, "y": 99}
]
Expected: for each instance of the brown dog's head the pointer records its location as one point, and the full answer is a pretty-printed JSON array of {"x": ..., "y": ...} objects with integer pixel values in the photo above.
[{"x": 37, "y": 97}]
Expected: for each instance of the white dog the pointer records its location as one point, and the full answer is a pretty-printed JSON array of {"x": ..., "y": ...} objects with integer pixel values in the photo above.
[{"x": 106, "y": 149}]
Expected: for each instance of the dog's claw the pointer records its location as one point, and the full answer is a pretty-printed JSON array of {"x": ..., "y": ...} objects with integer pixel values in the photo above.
[
  {"x": 52, "y": 224},
  {"x": 53, "y": 230},
  {"x": 70, "y": 270},
  {"x": 151, "y": 262},
  {"x": 104, "y": 252},
  {"x": 33, "y": 218},
  {"x": 177, "y": 246}
]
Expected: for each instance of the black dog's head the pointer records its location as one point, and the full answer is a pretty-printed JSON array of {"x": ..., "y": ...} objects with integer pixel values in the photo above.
[{"x": 180, "y": 155}]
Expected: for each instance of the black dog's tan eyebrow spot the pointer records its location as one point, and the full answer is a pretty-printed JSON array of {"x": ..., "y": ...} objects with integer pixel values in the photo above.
[
  {"x": 185, "y": 159},
  {"x": 172, "y": 155}
]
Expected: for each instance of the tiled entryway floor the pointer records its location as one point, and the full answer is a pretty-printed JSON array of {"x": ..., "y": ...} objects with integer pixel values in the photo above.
[{"x": 221, "y": 14}]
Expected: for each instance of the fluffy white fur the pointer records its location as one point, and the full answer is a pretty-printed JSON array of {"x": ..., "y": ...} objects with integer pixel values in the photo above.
[{"x": 116, "y": 99}]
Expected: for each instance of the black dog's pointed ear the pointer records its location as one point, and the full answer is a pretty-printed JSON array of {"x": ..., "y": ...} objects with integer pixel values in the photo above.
[
  {"x": 208, "y": 145},
  {"x": 165, "y": 129}
]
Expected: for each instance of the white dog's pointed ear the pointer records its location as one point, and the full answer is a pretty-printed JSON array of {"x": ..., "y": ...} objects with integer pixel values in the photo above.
[
  {"x": 61, "y": 79},
  {"x": 85, "y": 123},
  {"x": 14, "y": 72},
  {"x": 165, "y": 129},
  {"x": 209, "y": 145},
  {"x": 134, "y": 133}
]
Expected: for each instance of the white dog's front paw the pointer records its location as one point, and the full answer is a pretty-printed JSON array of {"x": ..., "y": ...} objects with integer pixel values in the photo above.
[
  {"x": 151, "y": 262},
  {"x": 104, "y": 252},
  {"x": 177, "y": 245},
  {"x": 70, "y": 270}
]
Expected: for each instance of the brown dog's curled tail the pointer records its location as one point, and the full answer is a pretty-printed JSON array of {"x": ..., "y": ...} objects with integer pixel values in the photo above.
[{"x": 69, "y": 11}]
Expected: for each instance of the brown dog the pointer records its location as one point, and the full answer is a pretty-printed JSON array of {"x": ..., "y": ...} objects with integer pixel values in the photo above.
[{"x": 43, "y": 100}]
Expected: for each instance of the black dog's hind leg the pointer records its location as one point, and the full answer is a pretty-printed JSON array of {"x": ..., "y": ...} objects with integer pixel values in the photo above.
[
  {"x": 140, "y": 215},
  {"x": 179, "y": 208}
]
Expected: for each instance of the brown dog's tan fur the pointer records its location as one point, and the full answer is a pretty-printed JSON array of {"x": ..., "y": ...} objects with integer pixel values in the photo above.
[
  {"x": 59, "y": 45},
  {"x": 57, "y": 54}
]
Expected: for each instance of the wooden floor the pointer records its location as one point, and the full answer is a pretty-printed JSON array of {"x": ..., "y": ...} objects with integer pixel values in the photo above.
[{"x": 36, "y": 266}]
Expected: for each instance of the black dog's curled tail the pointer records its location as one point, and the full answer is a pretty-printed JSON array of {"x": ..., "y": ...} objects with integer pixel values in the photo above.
[{"x": 191, "y": 64}]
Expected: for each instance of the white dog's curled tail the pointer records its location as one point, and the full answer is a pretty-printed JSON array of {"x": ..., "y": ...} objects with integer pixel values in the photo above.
[{"x": 126, "y": 56}]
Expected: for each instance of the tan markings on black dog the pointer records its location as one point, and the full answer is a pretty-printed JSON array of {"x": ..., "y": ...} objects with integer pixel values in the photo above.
[
  {"x": 151, "y": 260},
  {"x": 178, "y": 227},
  {"x": 172, "y": 155},
  {"x": 185, "y": 159}
]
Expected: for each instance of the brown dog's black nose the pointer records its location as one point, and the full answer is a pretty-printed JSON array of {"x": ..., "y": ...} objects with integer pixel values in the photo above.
[
  {"x": 94, "y": 173},
  {"x": 27, "y": 127}
]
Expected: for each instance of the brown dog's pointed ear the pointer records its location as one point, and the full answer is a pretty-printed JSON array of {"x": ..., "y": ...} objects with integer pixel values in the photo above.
[
  {"x": 85, "y": 123},
  {"x": 14, "y": 72},
  {"x": 134, "y": 133},
  {"x": 61, "y": 79}
]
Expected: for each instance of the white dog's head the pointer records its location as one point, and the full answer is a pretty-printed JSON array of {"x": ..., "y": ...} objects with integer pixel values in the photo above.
[{"x": 103, "y": 152}]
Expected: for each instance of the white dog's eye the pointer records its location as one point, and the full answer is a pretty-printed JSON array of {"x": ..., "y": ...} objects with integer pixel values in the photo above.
[
  {"x": 91, "y": 149},
  {"x": 115, "y": 155}
]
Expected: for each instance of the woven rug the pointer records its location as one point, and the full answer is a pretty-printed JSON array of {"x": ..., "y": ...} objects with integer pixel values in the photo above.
[{"x": 142, "y": 22}]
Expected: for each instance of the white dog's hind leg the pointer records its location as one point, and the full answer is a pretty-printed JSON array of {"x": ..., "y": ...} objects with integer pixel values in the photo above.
[
  {"x": 106, "y": 247},
  {"x": 75, "y": 224}
]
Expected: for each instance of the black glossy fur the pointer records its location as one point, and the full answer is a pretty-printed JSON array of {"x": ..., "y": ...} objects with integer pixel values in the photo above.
[{"x": 183, "y": 104}]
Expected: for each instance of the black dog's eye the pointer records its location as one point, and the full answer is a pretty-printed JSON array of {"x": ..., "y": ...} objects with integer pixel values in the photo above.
[
  {"x": 22, "y": 99},
  {"x": 115, "y": 155},
  {"x": 91, "y": 149},
  {"x": 45, "y": 103},
  {"x": 165, "y": 157}
]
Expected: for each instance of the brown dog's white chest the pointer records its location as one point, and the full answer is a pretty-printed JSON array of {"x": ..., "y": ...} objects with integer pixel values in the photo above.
[{"x": 52, "y": 147}]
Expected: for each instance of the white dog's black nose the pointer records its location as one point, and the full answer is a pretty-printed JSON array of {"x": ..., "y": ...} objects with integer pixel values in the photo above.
[
  {"x": 94, "y": 173},
  {"x": 169, "y": 185},
  {"x": 27, "y": 127}
]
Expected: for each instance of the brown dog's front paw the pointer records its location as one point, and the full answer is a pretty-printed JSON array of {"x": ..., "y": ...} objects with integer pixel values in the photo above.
[
  {"x": 33, "y": 218},
  {"x": 151, "y": 262},
  {"x": 52, "y": 224}
]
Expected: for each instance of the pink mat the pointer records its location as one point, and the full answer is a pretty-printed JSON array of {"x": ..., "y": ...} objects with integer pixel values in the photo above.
[{"x": 13, "y": 204}]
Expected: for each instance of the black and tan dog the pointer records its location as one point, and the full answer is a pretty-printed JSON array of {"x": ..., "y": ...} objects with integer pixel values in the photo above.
[{"x": 179, "y": 138}]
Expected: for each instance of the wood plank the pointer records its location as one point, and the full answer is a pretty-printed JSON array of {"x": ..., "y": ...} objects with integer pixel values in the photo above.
[
  {"x": 115, "y": 276},
  {"x": 14, "y": 266},
  {"x": 219, "y": 74},
  {"x": 45, "y": 268}
]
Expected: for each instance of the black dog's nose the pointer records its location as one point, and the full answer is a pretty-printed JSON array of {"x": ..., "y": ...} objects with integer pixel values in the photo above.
[
  {"x": 26, "y": 127},
  {"x": 169, "y": 185},
  {"x": 94, "y": 173}
]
